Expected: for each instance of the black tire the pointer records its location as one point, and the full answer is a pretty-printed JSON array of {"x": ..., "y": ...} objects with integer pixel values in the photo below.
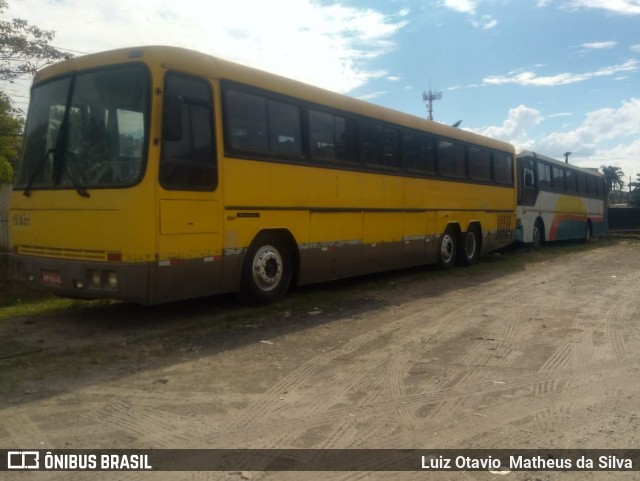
[
  {"x": 538, "y": 234},
  {"x": 587, "y": 233},
  {"x": 447, "y": 248},
  {"x": 468, "y": 247},
  {"x": 266, "y": 271}
]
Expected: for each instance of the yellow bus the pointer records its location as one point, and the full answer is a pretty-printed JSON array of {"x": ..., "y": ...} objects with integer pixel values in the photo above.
[{"x": 154, "y": 174}]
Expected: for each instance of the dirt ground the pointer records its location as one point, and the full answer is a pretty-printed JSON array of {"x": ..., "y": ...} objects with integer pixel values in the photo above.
[{"x": 523, "y": 350}]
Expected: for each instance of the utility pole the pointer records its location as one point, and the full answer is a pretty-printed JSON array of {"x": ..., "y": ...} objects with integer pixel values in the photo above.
[{"x": 429, "y": 97}]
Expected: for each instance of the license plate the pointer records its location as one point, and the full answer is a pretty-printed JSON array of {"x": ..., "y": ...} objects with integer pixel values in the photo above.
[{"x": 52, "y": 278}]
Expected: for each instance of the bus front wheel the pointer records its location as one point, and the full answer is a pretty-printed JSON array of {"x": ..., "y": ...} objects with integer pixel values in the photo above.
[
  {"x": 266, "y": 271},
  {"x": 538, "y": 234}
]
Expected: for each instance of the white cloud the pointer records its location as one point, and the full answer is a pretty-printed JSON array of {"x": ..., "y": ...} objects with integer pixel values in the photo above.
[
  {"x": 515, "y": 128},
  {"x": 530, "y": 78},
  {"x": 622, "y": 155},
  {"x": 329, "y": 45},
  {"x": 372, "y": 95},
  {"x": 635, "y": 48},
  {"x": 462, "y": 6},
  {"x": 625, "y": 7},
  {"x": 599, "y": 45},
  {"x": 599, "y": 126},
  {"x": 485, "y": 22},
  {"x": 559, "y": 114},
  {"x": 606, "y": 136}
]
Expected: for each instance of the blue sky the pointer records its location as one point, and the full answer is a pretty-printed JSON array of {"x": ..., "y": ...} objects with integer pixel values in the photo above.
[{"x": 547, "y": 75}]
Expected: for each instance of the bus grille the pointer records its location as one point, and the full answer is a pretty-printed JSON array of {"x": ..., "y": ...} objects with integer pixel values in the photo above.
[
  {"x": 61, "y": 253},
  {"x": 504, "y": 227}
]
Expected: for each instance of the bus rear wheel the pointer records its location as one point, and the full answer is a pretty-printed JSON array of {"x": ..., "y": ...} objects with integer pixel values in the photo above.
[
  {"x": 469, "y": 247},
  {"x": 266, "y": 271},
  {"x": 447, "y": 249}
]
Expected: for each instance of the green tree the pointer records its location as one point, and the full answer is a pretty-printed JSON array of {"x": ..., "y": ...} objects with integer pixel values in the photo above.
[
  {"x": 11, "y": 126},
  {"x": 612, "y": 178},
  {"x": 24, "y": 48}
]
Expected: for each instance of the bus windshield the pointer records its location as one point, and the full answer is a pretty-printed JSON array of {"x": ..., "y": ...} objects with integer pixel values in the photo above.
[{"x": 86, "y": 130}]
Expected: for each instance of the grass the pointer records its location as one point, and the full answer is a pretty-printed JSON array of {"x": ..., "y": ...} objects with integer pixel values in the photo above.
[{"x": 17, "y": 300}]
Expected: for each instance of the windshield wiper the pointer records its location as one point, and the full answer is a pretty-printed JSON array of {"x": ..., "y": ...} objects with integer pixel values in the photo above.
[
  {"x": 75, "y": 182},
  {"x": 32, "y": 179}
]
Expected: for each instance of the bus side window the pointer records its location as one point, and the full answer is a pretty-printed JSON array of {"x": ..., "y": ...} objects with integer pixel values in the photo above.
[
  {"x": 591, "y": 186},
  {"x": 529, "y": 190},
  {"x": 570, "y": 181},
  {"x": 285, "y": 131},
  {"x": 331, "y": 137},
  {"x": 582, "y": 184},
  {"x": 479, "y": 164},
  {"x": 419, "y": 152},
  {"x": 451, "y": 159},
  {"x": 502, "y": 168},
  {"x": 371, "y": 142},
  {"x": 558, "y": 178},
  {"x": 188, "y": 160},
  {"x": 246, "y": 122},
  {"x": 544, "y": 176}
]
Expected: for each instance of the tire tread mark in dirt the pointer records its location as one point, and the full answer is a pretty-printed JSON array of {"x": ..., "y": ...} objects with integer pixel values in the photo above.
[
  {"x": 19, "y": 424},
  {"x": 361, "y": 379},
  {"x": 477, "y": 372},
  {"x": 406, "y": 413},
  {"x": 269, "y": 398},
  {"x": 395, "y": 376},
  {"x": 384, "y": 408},
  {"x": 150, "y": 425},
  {"x": 399, "y": 328},
  {"x": 406, "y": 324}
]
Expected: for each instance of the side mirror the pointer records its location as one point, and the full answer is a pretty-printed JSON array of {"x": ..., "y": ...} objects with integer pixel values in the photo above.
[{"x": 172, "y": 127}]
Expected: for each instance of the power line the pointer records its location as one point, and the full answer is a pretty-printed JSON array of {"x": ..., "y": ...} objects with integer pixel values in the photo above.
[{"x": 71, "y": 50}]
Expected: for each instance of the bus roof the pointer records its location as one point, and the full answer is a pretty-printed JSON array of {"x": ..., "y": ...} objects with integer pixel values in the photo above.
[
  {"x": 216, "y": 68},
  {"x": 559, "y": 163}
]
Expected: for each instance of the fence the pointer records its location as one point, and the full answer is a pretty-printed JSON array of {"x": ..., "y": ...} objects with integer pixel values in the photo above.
[{"x": 624, "y": 219}]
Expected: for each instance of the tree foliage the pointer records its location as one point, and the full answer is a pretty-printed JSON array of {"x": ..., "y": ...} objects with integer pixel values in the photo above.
[
  {"x": 11, "y": 126},
  {"x": 24, "y": 48},
  {"x": 613, "y": 177}
]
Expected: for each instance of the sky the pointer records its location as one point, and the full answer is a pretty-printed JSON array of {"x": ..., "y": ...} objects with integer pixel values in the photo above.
[{"x": 552, "y": 76}]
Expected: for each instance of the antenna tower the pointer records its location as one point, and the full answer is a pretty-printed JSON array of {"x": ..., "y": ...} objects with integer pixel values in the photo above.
[{"x": 429, "y": 97}]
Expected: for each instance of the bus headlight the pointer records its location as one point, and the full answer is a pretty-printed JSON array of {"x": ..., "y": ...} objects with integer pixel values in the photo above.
[
  {"x": 96, "y": 278},
  {"x": 112, "y": 280}
]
